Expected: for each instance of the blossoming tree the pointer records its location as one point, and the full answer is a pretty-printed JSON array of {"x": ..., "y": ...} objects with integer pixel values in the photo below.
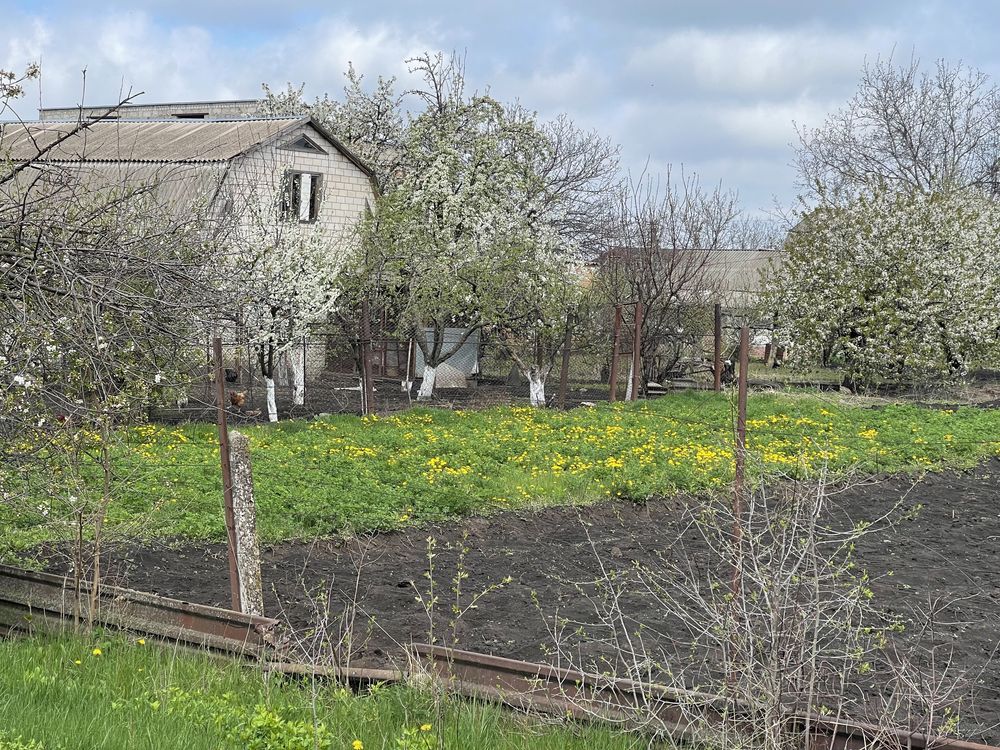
[{"x": 894, "y": 286}]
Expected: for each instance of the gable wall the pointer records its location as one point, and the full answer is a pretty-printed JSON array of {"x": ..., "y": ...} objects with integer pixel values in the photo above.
[{"x": 346, "y": 190}]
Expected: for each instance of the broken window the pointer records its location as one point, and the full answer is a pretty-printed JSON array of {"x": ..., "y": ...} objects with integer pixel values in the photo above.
[{"x": 301, "y": 196}]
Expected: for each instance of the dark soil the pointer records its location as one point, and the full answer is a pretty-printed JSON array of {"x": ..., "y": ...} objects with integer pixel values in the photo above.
[{"x": 946, "y": 554}]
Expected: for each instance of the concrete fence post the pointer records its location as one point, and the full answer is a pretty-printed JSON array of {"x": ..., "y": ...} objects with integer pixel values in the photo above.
[{"x": 245, "y": 522}]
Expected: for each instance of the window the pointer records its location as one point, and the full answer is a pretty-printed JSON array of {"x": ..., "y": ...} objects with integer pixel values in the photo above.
[
  {"x": 301, "y": 196},
  {"x": 303, "y": 143},
  {"x": 190, "y": 115}
]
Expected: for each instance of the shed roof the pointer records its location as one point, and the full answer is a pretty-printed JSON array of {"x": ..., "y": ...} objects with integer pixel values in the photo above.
[{"x": 173, "y": 141}]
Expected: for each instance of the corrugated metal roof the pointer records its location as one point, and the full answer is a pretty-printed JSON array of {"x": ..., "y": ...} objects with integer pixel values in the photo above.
[{"x": 173, "y": 141}]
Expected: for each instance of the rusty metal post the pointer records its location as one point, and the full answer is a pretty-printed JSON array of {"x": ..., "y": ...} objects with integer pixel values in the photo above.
[
  {"x": 637, "y": 351},
  {"x": 767, "y": 352},
  {"x": 245, "y": 525},
  {"x": 739, "y": 477},
  {"x": 615, "y": 354},
  {"x": 739, "y": 498},
  {"x": 717, "y": 362},
  {"x": 227, "y": 474},
  {"x": 564, "y": 372},
  {"x": 368, "y": 388}
]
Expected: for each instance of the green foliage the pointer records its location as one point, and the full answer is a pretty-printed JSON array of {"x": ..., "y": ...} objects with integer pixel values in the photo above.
[
  {"x": 344, "y": 473},
  {"x": 58, "y": 694}
]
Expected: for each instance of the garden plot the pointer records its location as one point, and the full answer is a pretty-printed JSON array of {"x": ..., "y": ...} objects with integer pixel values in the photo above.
[{"x": 942, "y": 551}]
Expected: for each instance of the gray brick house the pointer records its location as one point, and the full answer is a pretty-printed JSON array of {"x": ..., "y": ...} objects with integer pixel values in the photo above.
[{"x": 287, "y": 170}]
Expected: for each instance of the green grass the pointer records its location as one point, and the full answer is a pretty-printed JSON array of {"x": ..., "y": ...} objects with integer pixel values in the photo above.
[
  {"x": 344, "y": 473},
  {"x": 57, "y": 693}
]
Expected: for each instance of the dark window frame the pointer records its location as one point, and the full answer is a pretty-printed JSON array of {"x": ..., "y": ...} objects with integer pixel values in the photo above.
[{"x": 291, "y": 196}]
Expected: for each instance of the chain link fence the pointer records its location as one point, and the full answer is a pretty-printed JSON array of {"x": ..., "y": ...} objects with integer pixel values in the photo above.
[{"x": 322, "y": 373}]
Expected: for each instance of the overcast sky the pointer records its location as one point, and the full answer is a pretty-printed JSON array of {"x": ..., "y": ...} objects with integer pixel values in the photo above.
[{"x": 711, "y": 85}]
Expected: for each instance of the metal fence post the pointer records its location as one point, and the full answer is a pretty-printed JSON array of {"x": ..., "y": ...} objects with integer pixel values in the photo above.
[
  {"x": 368, "y": 388},
  {"x": 227, "y": 474},
  {"x": 717, "y": 366},
  {"x": 615, "y": 353},
  {"x": 564, "y": 372},
  {"x": 739, "y": 476},
  {"x": 637, "y": 351}
]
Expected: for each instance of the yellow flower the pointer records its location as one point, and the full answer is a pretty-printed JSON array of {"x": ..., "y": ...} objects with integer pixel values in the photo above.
[
  {"x": 77, "y": 661},
  {"x": 425, "y": 727},
  {"x": 96, "y": 652},
  {"x": 357, "y": 745},
  {"x": 141, "y": 641}
]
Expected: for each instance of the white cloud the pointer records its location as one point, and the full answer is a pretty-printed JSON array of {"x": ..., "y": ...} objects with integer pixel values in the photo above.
[
  {"x": 125, "y": 52},
  {"x": 757, "y": 61}
]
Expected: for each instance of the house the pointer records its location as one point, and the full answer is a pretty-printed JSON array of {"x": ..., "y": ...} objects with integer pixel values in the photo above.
[{"x": 280, "y": 169}]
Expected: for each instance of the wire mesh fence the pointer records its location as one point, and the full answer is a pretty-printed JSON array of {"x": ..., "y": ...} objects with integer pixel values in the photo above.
[{"x": 324, "y": 371}]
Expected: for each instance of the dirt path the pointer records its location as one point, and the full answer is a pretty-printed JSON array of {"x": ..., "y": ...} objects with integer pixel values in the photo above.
[{"x": 948, "y": 553}]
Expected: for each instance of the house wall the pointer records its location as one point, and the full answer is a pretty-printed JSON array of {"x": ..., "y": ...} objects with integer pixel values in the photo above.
[{"x": 255, "y": 181}]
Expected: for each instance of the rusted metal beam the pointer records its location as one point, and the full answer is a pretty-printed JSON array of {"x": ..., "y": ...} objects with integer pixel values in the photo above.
[
  {"x": 352, "y": 675},
  {"x": 685, "y": 715},
  {"x": 30, "y": 600}
]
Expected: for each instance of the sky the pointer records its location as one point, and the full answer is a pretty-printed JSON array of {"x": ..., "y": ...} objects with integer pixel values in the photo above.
[{"x": 714, "y": 87}]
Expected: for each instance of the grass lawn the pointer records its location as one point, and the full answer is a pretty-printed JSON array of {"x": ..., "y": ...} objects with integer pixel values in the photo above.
[
  {"x": 74, "y": 694},
  {"x": 343, "y": 473}
]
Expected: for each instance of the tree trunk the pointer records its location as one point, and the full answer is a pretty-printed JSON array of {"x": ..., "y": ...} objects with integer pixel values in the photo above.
[
  {"x": 426, "y": 391},
  {"x": 272, "y": 406},
  {"x": 628, "y": 383},
  {"x": 296, "y": 363},
  {"x": 536, "y": 387}
]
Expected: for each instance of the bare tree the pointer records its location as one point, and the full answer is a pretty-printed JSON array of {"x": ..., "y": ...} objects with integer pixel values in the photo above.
[
  {"x": 907, "y": 128},
  {"x": 780, "y": 621},
  {"x": 102, "y": 277},
  {"x": 658, "y": 241}
]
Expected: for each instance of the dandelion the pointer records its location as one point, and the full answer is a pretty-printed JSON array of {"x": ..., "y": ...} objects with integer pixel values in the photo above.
[
  {"x": 77, "y": 662},
  {"x": 425, "y": 727},
  {"x": 96, "y": 652},
  {"x": 357, "y": 745},
  {"x": 141, "y": 641}
]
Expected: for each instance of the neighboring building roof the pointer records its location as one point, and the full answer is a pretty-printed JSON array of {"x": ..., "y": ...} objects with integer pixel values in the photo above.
[{"x": 735, "y": 272}]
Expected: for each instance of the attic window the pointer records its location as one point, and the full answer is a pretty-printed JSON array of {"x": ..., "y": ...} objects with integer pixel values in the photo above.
[
  {"x": 301, "y": 196},
  {"x": 302, "y": 143}
]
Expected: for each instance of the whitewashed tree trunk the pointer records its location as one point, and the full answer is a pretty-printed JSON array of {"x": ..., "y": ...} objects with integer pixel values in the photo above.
[
  {"x": 427, "y": 384},
  {"x": 297, "y": 364},
  {"x": 628, "y": 384},
  {"x": 536, "y": 387},
  {"x": 272, "y": 404}
]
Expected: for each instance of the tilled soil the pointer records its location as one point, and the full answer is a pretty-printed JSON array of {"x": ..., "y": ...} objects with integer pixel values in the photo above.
[{"x": 944, "y": 554}]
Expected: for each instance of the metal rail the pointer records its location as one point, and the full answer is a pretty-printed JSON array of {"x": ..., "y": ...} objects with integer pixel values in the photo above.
[
  {"x": 684, "y": 715},
  {"x": 30, "y": 600}
]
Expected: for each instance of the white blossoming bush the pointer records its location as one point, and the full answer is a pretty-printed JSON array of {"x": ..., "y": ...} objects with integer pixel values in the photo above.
[{"x": 894, "y": 287}]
